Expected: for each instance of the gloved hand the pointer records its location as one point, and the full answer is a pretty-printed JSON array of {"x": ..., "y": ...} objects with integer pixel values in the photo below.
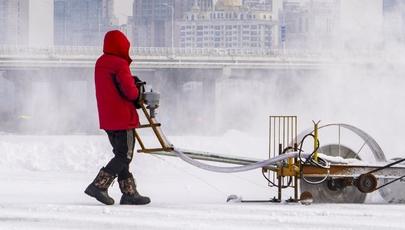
[{"x": 141, "y": 89}]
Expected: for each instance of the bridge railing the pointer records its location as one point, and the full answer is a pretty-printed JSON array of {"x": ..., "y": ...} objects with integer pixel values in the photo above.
[
  {"x": 94, "y": 51},
  {"x": 91, "y": 52},
  {"x": 221, "y": 52}
]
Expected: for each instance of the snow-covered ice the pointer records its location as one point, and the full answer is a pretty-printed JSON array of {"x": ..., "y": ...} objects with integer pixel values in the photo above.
[{"x": 43, "y": 178}]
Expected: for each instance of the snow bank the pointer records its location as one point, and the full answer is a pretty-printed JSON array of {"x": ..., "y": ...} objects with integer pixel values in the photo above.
[{"x": 52, "y": 152}]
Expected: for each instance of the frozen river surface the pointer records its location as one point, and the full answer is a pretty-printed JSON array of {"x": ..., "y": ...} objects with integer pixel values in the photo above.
[{"x": 43, "y": 178}]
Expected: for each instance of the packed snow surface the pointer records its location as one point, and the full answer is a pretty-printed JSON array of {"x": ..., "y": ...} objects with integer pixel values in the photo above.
[{"x": 43, "y": 179}]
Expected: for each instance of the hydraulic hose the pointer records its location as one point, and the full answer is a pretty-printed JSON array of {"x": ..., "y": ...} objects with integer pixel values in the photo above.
[{"x": 259, "y": 164}]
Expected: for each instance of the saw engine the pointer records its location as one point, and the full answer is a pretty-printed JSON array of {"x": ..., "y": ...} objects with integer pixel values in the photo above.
[{"x": 343, "y": 170}]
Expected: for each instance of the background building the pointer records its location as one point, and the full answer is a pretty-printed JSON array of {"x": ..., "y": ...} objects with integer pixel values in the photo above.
[
  {"x": 83, "y": 22},
  {"x": 329, "y": 24},
  {"x": 154, "y": 21},
  {"x": 310, "y": 24},
  {"x": 14, "y": 22},
  {"x": 41, "y": 18},
  {"x": 394, "y": 18},
  {"x": 202, "y": 4},
  {"x": 258, "y": 4},
  {"x": 26, "y": 22},
  {"x": 229, "y": 25}
]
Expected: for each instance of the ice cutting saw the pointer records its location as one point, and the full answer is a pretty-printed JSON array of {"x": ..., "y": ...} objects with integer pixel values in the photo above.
[{"x": 331, "y": 173}]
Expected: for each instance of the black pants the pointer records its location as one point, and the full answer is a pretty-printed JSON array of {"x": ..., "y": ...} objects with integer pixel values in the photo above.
[{"x": 123, "y": 143}]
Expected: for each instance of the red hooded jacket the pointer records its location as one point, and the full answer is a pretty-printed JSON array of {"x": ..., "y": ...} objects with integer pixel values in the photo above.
[{"x": 115, "y": 111}]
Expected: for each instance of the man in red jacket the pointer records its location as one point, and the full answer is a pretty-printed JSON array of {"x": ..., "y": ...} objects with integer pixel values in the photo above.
[{"x": 115, "y": 92}]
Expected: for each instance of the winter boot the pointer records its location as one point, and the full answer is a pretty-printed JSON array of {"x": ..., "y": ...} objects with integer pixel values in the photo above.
[
  {"x": 98, "y": 189},
  {"x": 129, "y": 193}
]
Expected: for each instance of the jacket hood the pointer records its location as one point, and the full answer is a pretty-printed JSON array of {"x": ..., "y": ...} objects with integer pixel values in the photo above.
[{"x": 117, "y": 44}]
